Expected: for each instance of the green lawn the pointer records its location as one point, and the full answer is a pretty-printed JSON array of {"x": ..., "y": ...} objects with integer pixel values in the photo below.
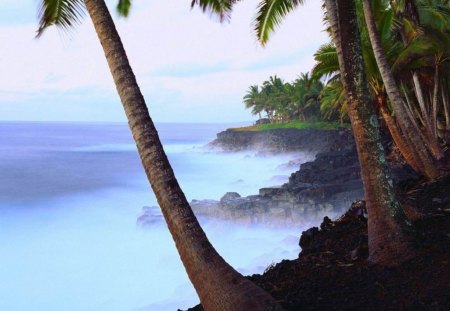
[{"x": 294, "y": 124}]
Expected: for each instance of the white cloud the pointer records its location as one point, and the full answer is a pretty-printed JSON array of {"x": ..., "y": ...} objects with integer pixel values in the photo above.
[{"x": 182, "y": 59}]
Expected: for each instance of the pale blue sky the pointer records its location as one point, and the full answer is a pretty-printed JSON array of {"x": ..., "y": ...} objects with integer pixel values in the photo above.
[{"x": 189, "y": 67}]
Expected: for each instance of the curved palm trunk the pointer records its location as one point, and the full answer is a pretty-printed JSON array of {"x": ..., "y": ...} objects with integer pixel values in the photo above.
[
  {"x": 427, "y": 120},
  {"x": 389, "y": 242},
  {"x": 435, "y": 100},
  {"x": 418, "y": 146},
  {"x": 444, "y": 96},
  {"x": 218, "y": 285},
  {"x": 399, "y": 140}
]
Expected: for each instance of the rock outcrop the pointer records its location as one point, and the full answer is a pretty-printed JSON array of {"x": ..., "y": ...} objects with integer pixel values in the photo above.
[
  {"x": 325, "y": 186},
  {"x": 283, "y": 140}
]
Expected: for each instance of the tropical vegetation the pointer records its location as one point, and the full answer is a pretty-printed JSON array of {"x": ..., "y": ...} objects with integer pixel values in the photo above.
[
  {"x": 281, "y": 101},
  {"x": 387, "y": 58}
]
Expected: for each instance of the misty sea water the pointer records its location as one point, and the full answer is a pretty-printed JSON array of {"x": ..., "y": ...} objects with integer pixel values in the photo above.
[{"x": 70, "y": 194}]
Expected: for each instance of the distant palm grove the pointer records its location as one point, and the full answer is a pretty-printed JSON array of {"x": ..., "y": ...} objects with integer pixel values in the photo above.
[
  {"x": 417, "y": 55},
  {"x": 280, "y": 101}
]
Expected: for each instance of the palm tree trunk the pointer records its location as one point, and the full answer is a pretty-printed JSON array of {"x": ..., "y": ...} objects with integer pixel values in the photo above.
[
  {"x": 444, "y": 96},
  {"x": 432, "y": 140},
  {"x": 388, "y": 227},
  {"x": 400, "y": 141},
  {"x": 421, "y": 99},
  {"x": 411, "y": 13},
  {"x": 218, "y": 285},
  {"x": 435, "y": 101},
  {"x": 393, "y": 92}
]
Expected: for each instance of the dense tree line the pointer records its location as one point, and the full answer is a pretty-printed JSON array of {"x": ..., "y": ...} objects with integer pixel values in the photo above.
[
  {"x": 280, "y": 101},
  {"x": 416, "y": 53}
]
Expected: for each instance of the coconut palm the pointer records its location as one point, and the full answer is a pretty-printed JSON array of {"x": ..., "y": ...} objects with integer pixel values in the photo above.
[
  {"x": 389, "y": 242},
  {"x": 424, "y": 28},
  {"x": 303, "y": 96},
  {"x": 417, "y": 153},
  {"x": 218, "y": 285},
  {"x": 254, "y": 99},
  {"x": 388, "y": 228},
  {"x": 403, "y": 59}
]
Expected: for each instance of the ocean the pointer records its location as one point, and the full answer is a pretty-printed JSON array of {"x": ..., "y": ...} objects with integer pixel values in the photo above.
[{"x": 70, "y": 194}]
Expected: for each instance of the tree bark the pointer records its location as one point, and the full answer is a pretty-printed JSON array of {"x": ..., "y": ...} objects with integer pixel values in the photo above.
[
  {"x": 388, "y": 227},
  {"x": 218, "y": 285},
  {"x": 444, "y": 96},
  {"x": 399, "y": 140},
  {"x": 435, "y": 101},
  {"x": 429, "y": 168}
]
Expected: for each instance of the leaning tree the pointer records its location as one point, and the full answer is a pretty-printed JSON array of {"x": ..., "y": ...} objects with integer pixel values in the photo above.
[{"x": 218, "y": 285}]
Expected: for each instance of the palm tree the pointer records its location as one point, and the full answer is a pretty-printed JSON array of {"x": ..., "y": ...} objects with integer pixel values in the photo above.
[
  {"x": 424, "y": 28},
  {"x": 389, "y": 242},
  {"x": 254, "y": 100},
  {"x": 272, "y": 91},
  {"x": 218, "y": 285},
  {"x": 417, "y": 153},
  {"x": 327, "y": 66}
]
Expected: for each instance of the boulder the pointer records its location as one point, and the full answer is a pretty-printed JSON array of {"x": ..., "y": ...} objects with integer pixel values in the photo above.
[{"x": 229, "y": 196}]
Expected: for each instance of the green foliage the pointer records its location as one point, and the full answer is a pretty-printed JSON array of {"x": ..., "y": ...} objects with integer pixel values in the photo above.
[
  {"x": 61, "y": 13},
  {"x": 123, "y": 7},
  {"x": 270, "y": 14},
  {"x": 293, "y": 124},
  {"x": 327, "y": 63},
  {"x": 65, "y": 14},
  {"x": 282, "y": 102},
  {"x": 220, "y": 8}
]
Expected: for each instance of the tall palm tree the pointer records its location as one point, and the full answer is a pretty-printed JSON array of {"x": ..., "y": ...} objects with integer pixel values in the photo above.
[
  {"x": 424, "y": 28},
  {"x": 419, "y": 150},
  {"x": 327, "y": 66},
  {"x": 253, "y": 99},
  {"x": 388, "y": 228},
  {"x": 218, "y": 285},
  {"x": 389, "y": 241}
]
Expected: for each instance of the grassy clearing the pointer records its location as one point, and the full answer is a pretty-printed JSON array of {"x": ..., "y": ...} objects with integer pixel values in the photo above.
[{"x": 293, "y": 124}]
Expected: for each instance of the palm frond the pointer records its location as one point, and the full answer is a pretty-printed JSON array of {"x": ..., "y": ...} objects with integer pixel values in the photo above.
[
  {"x": 220, "y": 8},
  {"x": 61, "y": 13},
  {"x": 415, "y": 50},
  {"x": 270, "y": 14},
  {"x": 123, "y": 7},
  {"x": 385, "y": 25},
  {"x": 435, "y": 15},
  {"x": 327, "y": 63}
]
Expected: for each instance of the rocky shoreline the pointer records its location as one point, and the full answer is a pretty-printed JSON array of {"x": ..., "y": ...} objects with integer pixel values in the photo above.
[
  {"x": 326, "y": 186},
  {"x": 332, "y": 271},
  {"x": 284, "y": 140}
]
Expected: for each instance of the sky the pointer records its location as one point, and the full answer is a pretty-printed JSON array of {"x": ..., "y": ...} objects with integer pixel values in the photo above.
[{"x": 190, "y": 67}]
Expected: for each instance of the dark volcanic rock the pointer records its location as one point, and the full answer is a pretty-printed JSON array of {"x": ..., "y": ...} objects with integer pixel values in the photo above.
[
  {"x": 229, "y": 196},
  {"x": 332, "y": 271},
  {"x": 280, "y": 140},
  {"x": 325, "y": 186}
]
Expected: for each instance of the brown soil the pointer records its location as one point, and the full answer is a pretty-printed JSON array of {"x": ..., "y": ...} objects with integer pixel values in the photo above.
[{"x": 332, "y": 271}]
